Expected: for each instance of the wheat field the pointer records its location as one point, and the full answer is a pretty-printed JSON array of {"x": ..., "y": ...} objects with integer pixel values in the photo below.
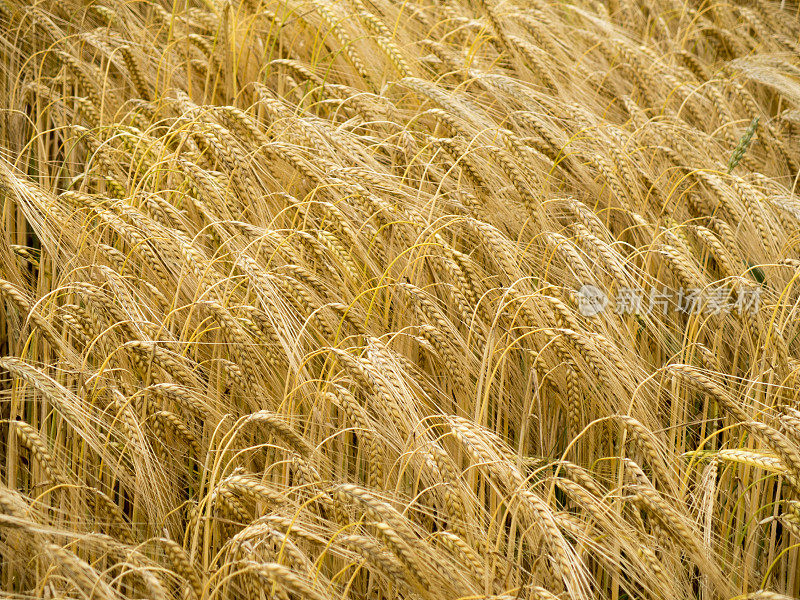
[{"x": 425, "y": 300}]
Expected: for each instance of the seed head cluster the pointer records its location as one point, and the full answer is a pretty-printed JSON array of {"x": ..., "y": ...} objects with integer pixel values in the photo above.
[{"x": 293, "y": 299}]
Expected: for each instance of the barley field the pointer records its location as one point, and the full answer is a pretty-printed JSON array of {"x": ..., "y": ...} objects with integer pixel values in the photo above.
[{"x": 376, "y": 300}]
